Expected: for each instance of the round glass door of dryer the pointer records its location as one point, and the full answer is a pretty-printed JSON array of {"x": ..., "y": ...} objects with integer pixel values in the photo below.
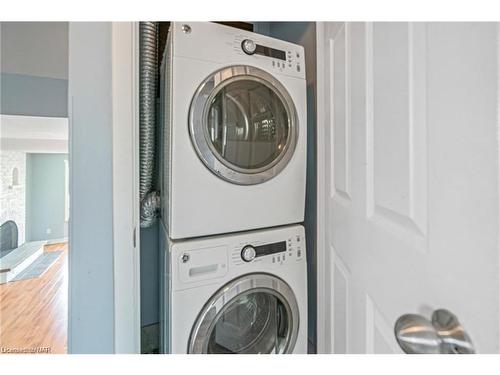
[
  {"x": 256, "y": 320},
  {"x": 243, "y": 125}
]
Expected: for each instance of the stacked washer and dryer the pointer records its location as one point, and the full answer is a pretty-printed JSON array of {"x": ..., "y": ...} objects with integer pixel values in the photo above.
[{"x": 233, "y": 259}]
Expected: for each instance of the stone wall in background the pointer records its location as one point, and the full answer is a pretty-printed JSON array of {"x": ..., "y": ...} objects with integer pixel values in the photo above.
[{"x": 13, "y": 190}]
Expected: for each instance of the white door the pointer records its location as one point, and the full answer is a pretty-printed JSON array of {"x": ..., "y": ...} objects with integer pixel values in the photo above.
[{"x": 409, "y": 161}]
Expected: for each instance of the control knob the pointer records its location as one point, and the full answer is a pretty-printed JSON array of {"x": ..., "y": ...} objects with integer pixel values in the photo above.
[
  {"x": 248, "y": 253},
  {"x": 248, "y": 46}
]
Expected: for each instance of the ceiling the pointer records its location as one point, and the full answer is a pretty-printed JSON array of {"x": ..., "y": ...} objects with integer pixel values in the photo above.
[
  {"x": 34, "y": 49},
  {"x": 34, "y": 134}
]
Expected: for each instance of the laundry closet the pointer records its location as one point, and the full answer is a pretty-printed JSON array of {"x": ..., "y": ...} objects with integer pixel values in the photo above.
[{"x": 228, "y": 201}]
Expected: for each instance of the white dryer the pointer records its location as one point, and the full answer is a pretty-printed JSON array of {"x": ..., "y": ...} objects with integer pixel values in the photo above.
[
  {"x": 244, "y": 293},
  {"x": 234, "y": 142}
]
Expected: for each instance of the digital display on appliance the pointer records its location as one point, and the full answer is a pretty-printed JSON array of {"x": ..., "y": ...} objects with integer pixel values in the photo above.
[
  {"x": 270, "y": 52},
  {"x": 272, "y": 248}
]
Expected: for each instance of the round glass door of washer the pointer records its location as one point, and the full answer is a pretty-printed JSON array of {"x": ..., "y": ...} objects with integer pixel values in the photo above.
[
  {"x": 255, "y": 321},
  {"x": 243, "y": 125}
]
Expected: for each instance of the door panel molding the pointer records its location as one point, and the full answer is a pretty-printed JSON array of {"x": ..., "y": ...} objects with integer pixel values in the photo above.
[
  {"x": 397, "y": 178},
  {"x": 341, "y": 287},
  {"x": 378, "y": 331},
  {"x": 340, "y": 114}
]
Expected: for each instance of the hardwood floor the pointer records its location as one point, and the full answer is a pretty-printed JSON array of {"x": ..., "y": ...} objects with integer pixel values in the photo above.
[{"x": 34, "y": 312}]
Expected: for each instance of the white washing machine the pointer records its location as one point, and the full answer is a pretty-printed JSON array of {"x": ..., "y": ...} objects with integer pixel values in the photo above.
[
  {"x": 234, "y": 142},
  {"x": 243, "y": 293}
]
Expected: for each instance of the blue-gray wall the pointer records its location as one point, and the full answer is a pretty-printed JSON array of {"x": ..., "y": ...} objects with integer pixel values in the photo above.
[
  {"x": 150, "y": 281},
  {"x": 29, "y": 95},
  {"x": 45, "y": 196},
  {"x": 91, "y": 285}
]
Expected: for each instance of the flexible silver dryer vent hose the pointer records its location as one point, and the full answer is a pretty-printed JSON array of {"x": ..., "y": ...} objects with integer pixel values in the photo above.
[{"x": 148, "y": 65}]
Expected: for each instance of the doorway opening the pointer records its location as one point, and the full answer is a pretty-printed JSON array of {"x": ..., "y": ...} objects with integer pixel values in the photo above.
[{"x": 34, "y": 187}]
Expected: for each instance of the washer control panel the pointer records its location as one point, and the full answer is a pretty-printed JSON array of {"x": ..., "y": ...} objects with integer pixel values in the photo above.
[{"x": 276, "y": 253}]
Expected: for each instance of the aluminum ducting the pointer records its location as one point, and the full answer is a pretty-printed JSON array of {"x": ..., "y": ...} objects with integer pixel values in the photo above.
[
  {"x": 148, "y": 66},
  {"x": 149, "y": 209}
]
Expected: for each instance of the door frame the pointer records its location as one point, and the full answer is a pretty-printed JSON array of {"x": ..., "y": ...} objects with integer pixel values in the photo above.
[
  {"x": 126, "y": 255},
  {"x": 103, "y": 289},
  {"x": 324, "y": 325}
]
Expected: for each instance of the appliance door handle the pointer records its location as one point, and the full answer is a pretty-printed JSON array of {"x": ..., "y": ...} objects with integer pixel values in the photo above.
[{"x": 443, "y": 334}]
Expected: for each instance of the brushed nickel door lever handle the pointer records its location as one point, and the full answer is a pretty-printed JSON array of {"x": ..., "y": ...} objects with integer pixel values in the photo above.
[{"x": 443, "y": 334}]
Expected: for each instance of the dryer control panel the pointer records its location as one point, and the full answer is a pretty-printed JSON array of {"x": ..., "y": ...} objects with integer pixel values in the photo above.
[
  {"x": 279, "y": 59},
  {"x": 223, "y": 44}
]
